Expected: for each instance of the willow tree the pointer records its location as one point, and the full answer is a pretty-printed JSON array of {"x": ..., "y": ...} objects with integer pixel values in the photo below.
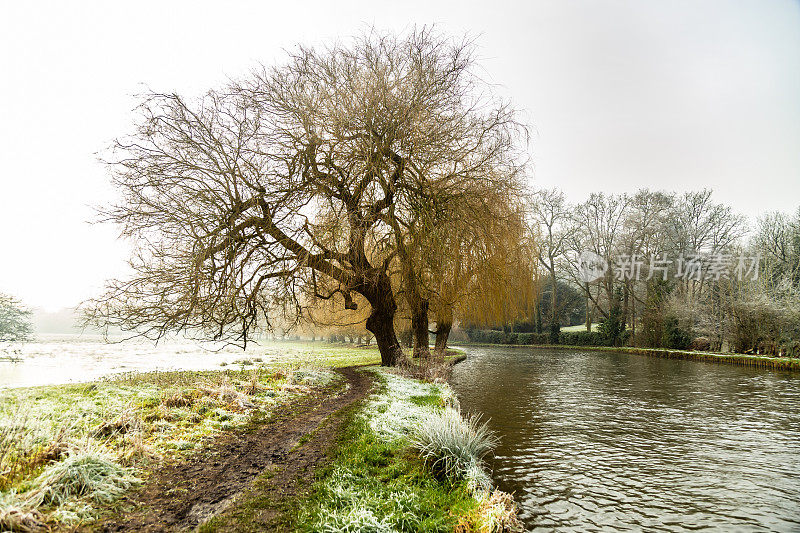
[
  {"x": 485, "y": 272},
  {"x": 221, "y": 195}
]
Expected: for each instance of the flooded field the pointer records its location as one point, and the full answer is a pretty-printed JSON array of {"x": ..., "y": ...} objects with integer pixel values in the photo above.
[{"x": 55, "y": 359}]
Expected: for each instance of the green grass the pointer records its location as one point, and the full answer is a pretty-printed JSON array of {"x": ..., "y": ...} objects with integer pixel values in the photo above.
[
  {"x": 580, "y": 327},
  {"x": 427, "y": 400},
  {"x": 65, "y": 450},
  {"x": 373, "y": 483},
  {"x": 376, "y": 483}
]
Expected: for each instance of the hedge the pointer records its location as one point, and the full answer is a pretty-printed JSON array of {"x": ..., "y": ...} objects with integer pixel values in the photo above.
[{"x": 571, "y": 338}]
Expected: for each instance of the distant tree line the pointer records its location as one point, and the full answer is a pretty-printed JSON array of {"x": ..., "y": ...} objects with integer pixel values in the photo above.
[{"x": 715, "y": 286}]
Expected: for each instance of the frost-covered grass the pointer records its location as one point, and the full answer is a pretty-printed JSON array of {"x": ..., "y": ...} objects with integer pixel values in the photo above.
[
  {"x": 402, "y": 404},
  {"x": 377, "y": 482},
  {"x": 454, "y": 446},
  {"x": 94, "y": 475},
  {"x": 67, "y": 450}
]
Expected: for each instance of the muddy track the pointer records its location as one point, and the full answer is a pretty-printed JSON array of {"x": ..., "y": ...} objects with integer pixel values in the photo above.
[{"x": 185, "y": 494}]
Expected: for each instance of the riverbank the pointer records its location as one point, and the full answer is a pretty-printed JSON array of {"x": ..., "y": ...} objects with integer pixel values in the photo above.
[
  {"x": 378, "y": 478},
  {"x": 758, "y": 361},
  {"x": 170, "y": 450}
]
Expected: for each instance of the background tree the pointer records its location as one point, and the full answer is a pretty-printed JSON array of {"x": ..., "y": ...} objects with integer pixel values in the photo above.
[
  {"x": 15, "y": 323},
  {"x": 777, "y": 240},
  {"x": 552, "y": 216},
  {"x": 599, "y": 223}
]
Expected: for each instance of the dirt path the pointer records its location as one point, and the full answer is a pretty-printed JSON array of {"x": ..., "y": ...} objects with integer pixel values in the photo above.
[{"x": 183, "y": 495}]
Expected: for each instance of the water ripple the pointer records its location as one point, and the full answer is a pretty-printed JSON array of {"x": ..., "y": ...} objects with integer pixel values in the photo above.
[{"x": 611, "y": 442}]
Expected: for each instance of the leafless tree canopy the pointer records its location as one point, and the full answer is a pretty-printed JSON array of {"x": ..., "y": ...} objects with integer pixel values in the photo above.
[{"x": 241, "y": 202}]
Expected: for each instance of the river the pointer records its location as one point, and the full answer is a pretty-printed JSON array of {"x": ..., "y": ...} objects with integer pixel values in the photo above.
[{"x": 594, "y": 441}]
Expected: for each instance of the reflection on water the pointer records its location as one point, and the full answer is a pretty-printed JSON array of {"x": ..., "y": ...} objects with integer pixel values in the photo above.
[
  {"x": 599, "y": 441},
  {"x": 73, "y": 358}
]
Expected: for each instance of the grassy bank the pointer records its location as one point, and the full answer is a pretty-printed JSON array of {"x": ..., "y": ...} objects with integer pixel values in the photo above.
[
  {"x": 68, "y": 451},
  {"x": 405, "y": 461},
  {"x": 758, "y": 361},
  {"x": 324, "y": 354}
]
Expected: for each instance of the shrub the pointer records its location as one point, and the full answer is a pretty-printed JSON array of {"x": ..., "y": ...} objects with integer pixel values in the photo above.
[
  {"x": 583, "y": 338},
  {"x": 454, "y": 446},
  {"x": 702, "y": 344},
  {"x": 675, "y": 336}
]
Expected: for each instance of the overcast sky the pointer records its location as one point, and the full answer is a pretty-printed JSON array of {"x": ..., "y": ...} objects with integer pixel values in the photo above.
[{"x": 619, "y": 95}]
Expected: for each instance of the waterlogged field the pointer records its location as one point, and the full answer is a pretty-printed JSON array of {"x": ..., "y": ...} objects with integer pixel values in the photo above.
[
  {"x": 83, "y": 421},
  {"x": 55, "y": 359}
]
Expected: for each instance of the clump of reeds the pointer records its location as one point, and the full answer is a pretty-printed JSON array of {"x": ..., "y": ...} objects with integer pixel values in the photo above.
[
  {"x": 87, "y": 474},
  {"x": 455, "y": 446}
]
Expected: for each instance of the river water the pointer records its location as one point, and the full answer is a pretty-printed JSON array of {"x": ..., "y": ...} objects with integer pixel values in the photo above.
[{"x": 594, "y": 441}]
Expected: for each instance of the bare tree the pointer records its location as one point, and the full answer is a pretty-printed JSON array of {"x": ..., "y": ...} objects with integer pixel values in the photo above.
[
  {"x": 552, "y": 216},
  {"x": 645, "y": 237},
  {"x": 600, "y": 222},
  {"x": 777, "y": 239},
  {"x": 241, "y": 202}
]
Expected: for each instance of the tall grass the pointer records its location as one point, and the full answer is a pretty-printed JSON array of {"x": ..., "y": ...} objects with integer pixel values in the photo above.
[
  {"x": 455, "y": 446},
  {"x": 91, "y": 474}
]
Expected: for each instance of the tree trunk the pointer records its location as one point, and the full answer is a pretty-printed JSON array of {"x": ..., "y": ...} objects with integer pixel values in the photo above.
[
  {"x": 555, "y": 327},
  {"x": 633, "y": 318},
  {"x": 381, "y": 324},
  {"x": 378, "y": 292},
  {"x": 588, "y": 314},
  {"x": 539, "y": 316},
  {"x": 419, "y": 327},
  {"x": 444, "y": 323},
  {"x": 625, "y": 307}
]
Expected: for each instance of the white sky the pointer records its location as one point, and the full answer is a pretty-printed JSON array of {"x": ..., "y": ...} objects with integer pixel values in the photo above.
[{"x": 670, "y": 95}]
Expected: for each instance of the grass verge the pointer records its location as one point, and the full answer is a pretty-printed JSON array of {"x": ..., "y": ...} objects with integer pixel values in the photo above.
[
  {"x": 377, "y": 481},
  {"x": 68, "y": 451}
]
